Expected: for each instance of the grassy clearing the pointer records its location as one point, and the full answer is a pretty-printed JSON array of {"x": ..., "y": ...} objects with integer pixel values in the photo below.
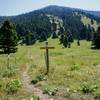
[
  {"x": 87, "y": 21},
  {"x": 71, "y": 70}
]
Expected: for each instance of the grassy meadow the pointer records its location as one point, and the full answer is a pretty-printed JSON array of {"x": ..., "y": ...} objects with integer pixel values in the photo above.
[{"x": 74, "y": 72}]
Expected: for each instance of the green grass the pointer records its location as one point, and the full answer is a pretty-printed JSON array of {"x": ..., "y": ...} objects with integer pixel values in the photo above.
[{"x": 70, "y": 68}]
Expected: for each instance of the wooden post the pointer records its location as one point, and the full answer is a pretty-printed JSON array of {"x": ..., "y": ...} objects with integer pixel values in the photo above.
[
  {"x": 47, "y": 58},
  {"x": 47, "y": 55}
]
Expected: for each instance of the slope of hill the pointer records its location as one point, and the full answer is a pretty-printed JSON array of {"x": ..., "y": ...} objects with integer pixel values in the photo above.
[
  {"x": 95, "y": 13},
  {"x": 44, "y": 22},
  {"x": 87, "y": 21}
]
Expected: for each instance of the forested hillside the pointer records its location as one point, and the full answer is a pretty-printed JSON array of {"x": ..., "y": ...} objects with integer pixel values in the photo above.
[
  {"x": 54, "y": 21},
  {"x": 96, "y": 13}
]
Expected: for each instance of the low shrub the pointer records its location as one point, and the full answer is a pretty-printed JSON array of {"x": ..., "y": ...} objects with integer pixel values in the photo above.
[
  {"x": 88, "y": 88},
  {"x": 36, "y": 98},
  {"x": 13, "y": 86},
  {"x": 38, "y": 78},
  {"x": 50, "y": 91}
]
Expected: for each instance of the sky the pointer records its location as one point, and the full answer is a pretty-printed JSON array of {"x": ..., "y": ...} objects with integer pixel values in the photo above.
[{"x": 16, "y": 7}]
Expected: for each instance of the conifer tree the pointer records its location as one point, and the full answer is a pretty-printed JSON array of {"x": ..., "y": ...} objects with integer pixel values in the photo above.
[
  {"x": 8, "y": 38},
  {"x": 96, "y": 39}
]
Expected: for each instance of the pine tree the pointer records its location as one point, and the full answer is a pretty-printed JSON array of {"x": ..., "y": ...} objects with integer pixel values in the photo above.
[
  {"x": 54, "y": 35},
  {"x": 29, "y": 38},
  {"x": 61, "y": 38},
  {"x": 42, "y": 37},
  {"x": 65, "y": 41},
  {"x": 96, "y": 39},
  {"x": 8, "y": 38},
  {"x": 70, "y": 38},
  {"x": 69, "y": 45}
]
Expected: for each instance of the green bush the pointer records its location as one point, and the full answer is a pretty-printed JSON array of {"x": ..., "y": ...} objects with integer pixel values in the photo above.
[
  {"x": 36, "y": 98},
  {"x": 38, "y": 78},
  {"x": 13, "y": 86},
  {"x": 88, "y": 88},
  {"x": 50, "y": 91}
]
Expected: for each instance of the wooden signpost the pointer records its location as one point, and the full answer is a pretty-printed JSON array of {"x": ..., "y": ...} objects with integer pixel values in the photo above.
[{"x": 47, "y": 55}]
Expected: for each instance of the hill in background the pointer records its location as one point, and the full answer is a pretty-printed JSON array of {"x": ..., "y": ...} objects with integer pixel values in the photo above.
[{"x": 54, "y": 21}]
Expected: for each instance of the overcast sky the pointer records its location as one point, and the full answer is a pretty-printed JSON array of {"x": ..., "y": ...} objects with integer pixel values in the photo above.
[{"x": 15, "y": 7}]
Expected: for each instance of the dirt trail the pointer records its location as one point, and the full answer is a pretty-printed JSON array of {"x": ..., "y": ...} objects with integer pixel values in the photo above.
[
  {"x": 29, "y": 87},
  {"x": 33, "y": 90}
]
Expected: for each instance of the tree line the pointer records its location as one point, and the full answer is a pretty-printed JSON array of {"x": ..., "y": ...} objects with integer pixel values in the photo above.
[{"x": 9, "y": 38}]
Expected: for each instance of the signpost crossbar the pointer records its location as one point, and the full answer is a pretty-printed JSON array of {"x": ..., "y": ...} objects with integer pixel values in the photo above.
[{"x": 47, "y": 55}]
